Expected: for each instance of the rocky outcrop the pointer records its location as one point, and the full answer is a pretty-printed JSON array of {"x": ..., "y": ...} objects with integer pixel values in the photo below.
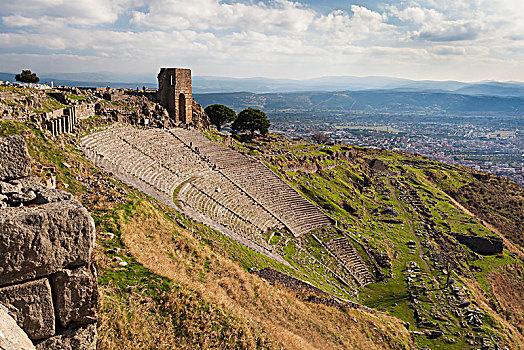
[
  {"x": 481, "y": 245},
  {"x": 47, "y": 282},
  {"x": 200, "y": 118},
  {"x": 376, "y": 165}
]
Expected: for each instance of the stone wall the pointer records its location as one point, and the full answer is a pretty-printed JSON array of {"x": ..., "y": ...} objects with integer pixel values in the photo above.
[
  {"x": 47, "y": 279},
  {"x": 85, "y": 110},
  {"x": 481, "y": 245},
  {"x": 312, "y": 293}
]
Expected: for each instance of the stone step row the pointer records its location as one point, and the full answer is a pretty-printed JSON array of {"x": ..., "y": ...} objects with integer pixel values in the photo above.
[
  {"x": 125, "y": 157},
  {"x": 223, "y": 157},
  {"x": 219, "y": 188},
  {"x": 278, "y": 197},
  {"x": 344, "y": 250},
  {"x": 206, "y": 205}
]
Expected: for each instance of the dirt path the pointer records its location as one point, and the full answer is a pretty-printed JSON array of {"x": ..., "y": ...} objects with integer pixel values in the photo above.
[{"x": 410, "y": 224}]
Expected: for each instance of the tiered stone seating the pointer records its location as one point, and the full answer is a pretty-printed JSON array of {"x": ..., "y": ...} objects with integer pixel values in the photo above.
[
  {"x": 167, "y": 150},
  {"x": 296, "y": 212},
  {"x": 345, "y": 251},
  {"x": 109, "y": 146},
  {"x": 260, "y": 183},
  {"x": 222, "y": 190},
  {"x": 212, "y": 208},
  {"x": 153, "y": 161},
  {"x": 226, "y": 186},
  {"x": 220, "y": 156}
]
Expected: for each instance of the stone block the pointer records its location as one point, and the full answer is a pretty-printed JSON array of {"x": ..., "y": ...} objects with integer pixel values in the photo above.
[
  {"x": 31, "y": 305},
  {"x": 46, "y": 195},
  {"x": 82, "y": 338},
  {"x": 15, "y": 161},
  {"x": 38, "y": 241},
  {"x": 481, "y": 245},
  {"x": 9, "y": 188},
  {"x": 12, "y": 337},
  {"x": 76, "y": 295}
]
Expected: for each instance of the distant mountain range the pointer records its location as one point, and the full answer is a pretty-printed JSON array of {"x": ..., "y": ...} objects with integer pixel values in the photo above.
[
  {"x": 345, "y": 93},
  {"x": 372, "y": 101},
  {"x": 209, "y": 84}
]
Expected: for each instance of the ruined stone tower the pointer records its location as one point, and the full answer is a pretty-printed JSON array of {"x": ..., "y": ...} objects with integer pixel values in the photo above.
[{"x": 176, "y": 94}]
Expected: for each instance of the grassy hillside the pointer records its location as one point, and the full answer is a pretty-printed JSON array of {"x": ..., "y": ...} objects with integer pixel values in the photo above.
[
  {"x": 166, "y": 281},
  {"x": 184, "y": 285},
  {"x": 403, "y": 214}
]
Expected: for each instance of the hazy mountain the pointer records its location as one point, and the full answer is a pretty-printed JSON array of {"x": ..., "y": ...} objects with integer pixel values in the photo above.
[
  {"x": 493, "y": 89},
  {"x": 261, "y": 85},
  {"x": 381, "y": 101},
  {"x": 210, "y": 84}
]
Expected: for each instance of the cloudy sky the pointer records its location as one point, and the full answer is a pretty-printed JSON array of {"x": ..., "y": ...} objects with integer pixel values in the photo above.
[{"x": 468, "y": 40}]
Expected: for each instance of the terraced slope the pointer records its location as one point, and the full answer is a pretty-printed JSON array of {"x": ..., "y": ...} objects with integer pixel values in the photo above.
[
  {"x": 280, "y": 199},
  {"x": 226, "y": 187},
  {"x": 344, "y": 250}
]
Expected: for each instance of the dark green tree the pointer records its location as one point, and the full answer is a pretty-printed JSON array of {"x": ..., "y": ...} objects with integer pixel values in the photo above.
[
  {"x": 27, "y": 77},
  {"x": 220, "y": 115},
  {"x": 320, "y": 137},
  {"x": 251, "y": 119}
]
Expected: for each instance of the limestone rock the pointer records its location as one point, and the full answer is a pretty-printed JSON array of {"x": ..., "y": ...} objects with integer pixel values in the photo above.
[
  {"x": 12, "y": 337},
  {"x": 27, "y": 184},
  {"x": 83, "y": 338},
  {"x": 42, "y": 240},
  {"x": 9, "y": 188},
  {"x": 75, "y": 294},
  {"x": 15, "y": 161},
  {"x": 46, "y": 195},
  {"x": 43, "y": 193},
  {"x": 31, "y": 305},
  {"x": 23, "y": 197}
]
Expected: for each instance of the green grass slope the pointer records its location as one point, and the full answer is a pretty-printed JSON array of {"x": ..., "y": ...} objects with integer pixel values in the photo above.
[
  {"x": 406, "y": 217},
  {"x": 167, "y": 282}
]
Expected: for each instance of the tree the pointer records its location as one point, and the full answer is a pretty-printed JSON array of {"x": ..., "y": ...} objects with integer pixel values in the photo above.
[
  {"x": 320, "y": 137},
  {"x": 27, "y": 77},
  {"x": 251, "y": 119},
  {"x": 220, "y": 115}
]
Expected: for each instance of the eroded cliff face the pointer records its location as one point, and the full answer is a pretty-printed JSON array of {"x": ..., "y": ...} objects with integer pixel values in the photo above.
[{"x": 47, "y": 281}]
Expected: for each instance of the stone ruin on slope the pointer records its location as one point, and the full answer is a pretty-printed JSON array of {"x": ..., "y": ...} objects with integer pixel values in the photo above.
[
  {"x": 47, "y": 279},
  {"x": 175, "y": 94}
]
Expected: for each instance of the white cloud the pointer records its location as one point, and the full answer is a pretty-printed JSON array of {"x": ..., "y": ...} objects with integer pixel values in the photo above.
[
  {"x": 272, "y": 37},
  {"x": 74, "y": 12},
  {"x": 282, "y": 15},
  {"x": 432, "y": 25},
  {"x": 448, "y": 50}
]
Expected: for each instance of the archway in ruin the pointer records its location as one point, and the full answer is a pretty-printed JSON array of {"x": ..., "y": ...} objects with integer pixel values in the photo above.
[{"x": 182, "y": 108}]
